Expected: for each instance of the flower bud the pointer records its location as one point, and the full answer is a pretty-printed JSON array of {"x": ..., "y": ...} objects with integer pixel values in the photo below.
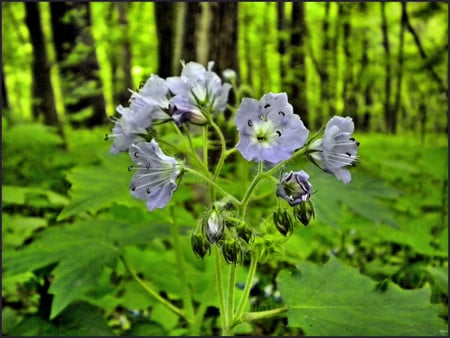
[
  {"x": 304, "y": 212},
  {"x": 213, "y": 226},
  {"x": 200, "y": 245},
  {"x": 283, "y": 222},
  {"x": 231, "y": 251},
  {"x": 244, "y": 232},
  {"x": 295, "y": 188}
]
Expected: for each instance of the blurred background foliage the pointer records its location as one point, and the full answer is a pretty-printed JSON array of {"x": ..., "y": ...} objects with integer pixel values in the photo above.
[{"x": 67, "y": 214}]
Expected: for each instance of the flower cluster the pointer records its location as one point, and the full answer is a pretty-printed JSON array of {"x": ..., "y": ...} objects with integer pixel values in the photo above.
[
  {"x": 270, "y": 134},
  {"x": 191, "y": 97}
]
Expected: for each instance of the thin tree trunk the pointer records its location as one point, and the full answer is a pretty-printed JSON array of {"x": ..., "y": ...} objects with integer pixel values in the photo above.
[
  {"x": 348, "y": 95},
  {"x": 191, "y": 26},
  {"x": 334, "y": 67},
  {"x": 362, "y": 82},
  {"x": 297, "y": 85},
  {"x": 429, "y": 66},
  {"x": 247, "y": 49},
  {"x": 123, "y": 75},
  {"x": 79, "y": 68},
  {"x": 396, "y": 107},
  {"x": 387, "y": 78},
  {"x": 282, "y": 40},
  {"x": 165, "y": 16},
  {"x": 223, "y": 36},
  {"x": 5, "y": 102},
  {"x": 324, "y": 71},
  {"x": 43, "y": 97},
  {"x": 264, "y": 74}
]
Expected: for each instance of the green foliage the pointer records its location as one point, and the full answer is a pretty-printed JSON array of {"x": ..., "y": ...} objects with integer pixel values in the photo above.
[
  {"x": 78, "y": 319},
  {"x": 81, "y": 250},
  {"x": 334, "y": 299}
]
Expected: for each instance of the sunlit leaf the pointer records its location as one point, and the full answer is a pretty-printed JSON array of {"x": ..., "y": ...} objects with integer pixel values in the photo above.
[{"x": 335, "y": 300}]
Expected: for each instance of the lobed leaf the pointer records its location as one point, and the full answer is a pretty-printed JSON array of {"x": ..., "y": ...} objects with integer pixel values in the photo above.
[{"x": 335, "y": 300}]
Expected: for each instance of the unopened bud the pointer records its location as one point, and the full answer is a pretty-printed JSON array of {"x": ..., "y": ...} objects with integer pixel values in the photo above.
[
  {"x": 304, "y": 212},
  {"x": 283, "y": 222},
  {"x": 200, "y": 245},
  {"x": 244, "y": 232},
  {"x": 232, "y": 251},
  {"x": 213, "y": 226}
]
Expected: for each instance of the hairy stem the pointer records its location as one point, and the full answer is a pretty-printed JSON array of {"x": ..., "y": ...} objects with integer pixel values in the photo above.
[
  {"x": 213, "y": 184},
  {"x": 248, "y": 284},
  {"x": 153, "y": 292},
  {"x": 219, "y": 284}
]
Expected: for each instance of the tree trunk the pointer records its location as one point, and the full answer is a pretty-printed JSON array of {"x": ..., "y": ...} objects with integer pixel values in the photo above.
[
  {"x": 282, "y": 41},
  {"x": 387, "y": 79},
  {"x": 428, "y": 65},
  {"x": 348, "y": 95},
  {"x": 364, "y": 84},
  {"x": 5, "y": 103},
  {"x": 297, "y": 82},
  {"x": 264, "y": 73},
  {"x": 165, "y": 15},
  {"x": 43, "y": 97},
  {"x": 324, "y": 71},
  {"x": 247, "y": 49},
  {"x": 79, "y": 69},
  {"x": 398, "y": 90},
  {"x": 223, "y": 36},
  {"x": 122, "y": 75},
  {"x": 191, "y": 26}
]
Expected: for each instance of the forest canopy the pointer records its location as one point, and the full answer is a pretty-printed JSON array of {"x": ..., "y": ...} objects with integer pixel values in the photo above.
[{"x": 383, "y": 64}]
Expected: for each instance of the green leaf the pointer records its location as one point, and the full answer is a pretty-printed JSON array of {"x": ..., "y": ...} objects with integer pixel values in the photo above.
[
  {"x": 335, "y": 300},
  {"x": 78, "y": 319},
  {"x": 440, "y": 277},
  {"x": 81, "y": 250},
  {"x": 98, "y": 186},
  {"x": 27, "y": 195},
  {"x": 17, "y": 228}
]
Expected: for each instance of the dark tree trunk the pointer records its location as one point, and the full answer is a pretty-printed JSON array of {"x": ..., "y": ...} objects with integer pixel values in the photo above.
[
  {"x": 324, "y": 71},
  {"x": 398, "y": 90},
  {"x": 264, "y": 73},
  {"x": 365, "y": 85},
  {"x": 348, "y": 95},
  {"x": 191, "y": 26},
  {"x": 79, "y": 69},
  {"x": 165, "y": 15},
  {"x": 122, "y": 74},
  {"x": 5, "y": 103},
  {"x": 428, "y": 65},
  {"x": 247, "y": 49},
  {"x": 223, "y": 36},
  {"x": 387, "y": 79},
  {"x": 43, "y": 97},
  {"x": 297, "y": 83},
  {"x": 282, "y": 40}
]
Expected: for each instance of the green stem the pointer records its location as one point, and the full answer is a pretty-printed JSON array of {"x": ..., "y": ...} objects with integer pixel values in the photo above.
[
  {"x": 205, "y": 145},
  {"x": 248, "y": 193},
  {"x": 212, "y": 183},
  {"x": 187, "y": 296},
  {"x": 152, "y": 292},
  {"x": 230, "y": 299},
  {"x": 223, "y": 149},
  {"x": 251, "y": 316},
  {"x": 248, "y": 284},
  {"x": 191, "y": 148},
  {"x": 219, "y": 283}
]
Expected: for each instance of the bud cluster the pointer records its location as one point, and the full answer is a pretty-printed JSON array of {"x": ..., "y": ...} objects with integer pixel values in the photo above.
[{"x": 219, "y": 228}]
